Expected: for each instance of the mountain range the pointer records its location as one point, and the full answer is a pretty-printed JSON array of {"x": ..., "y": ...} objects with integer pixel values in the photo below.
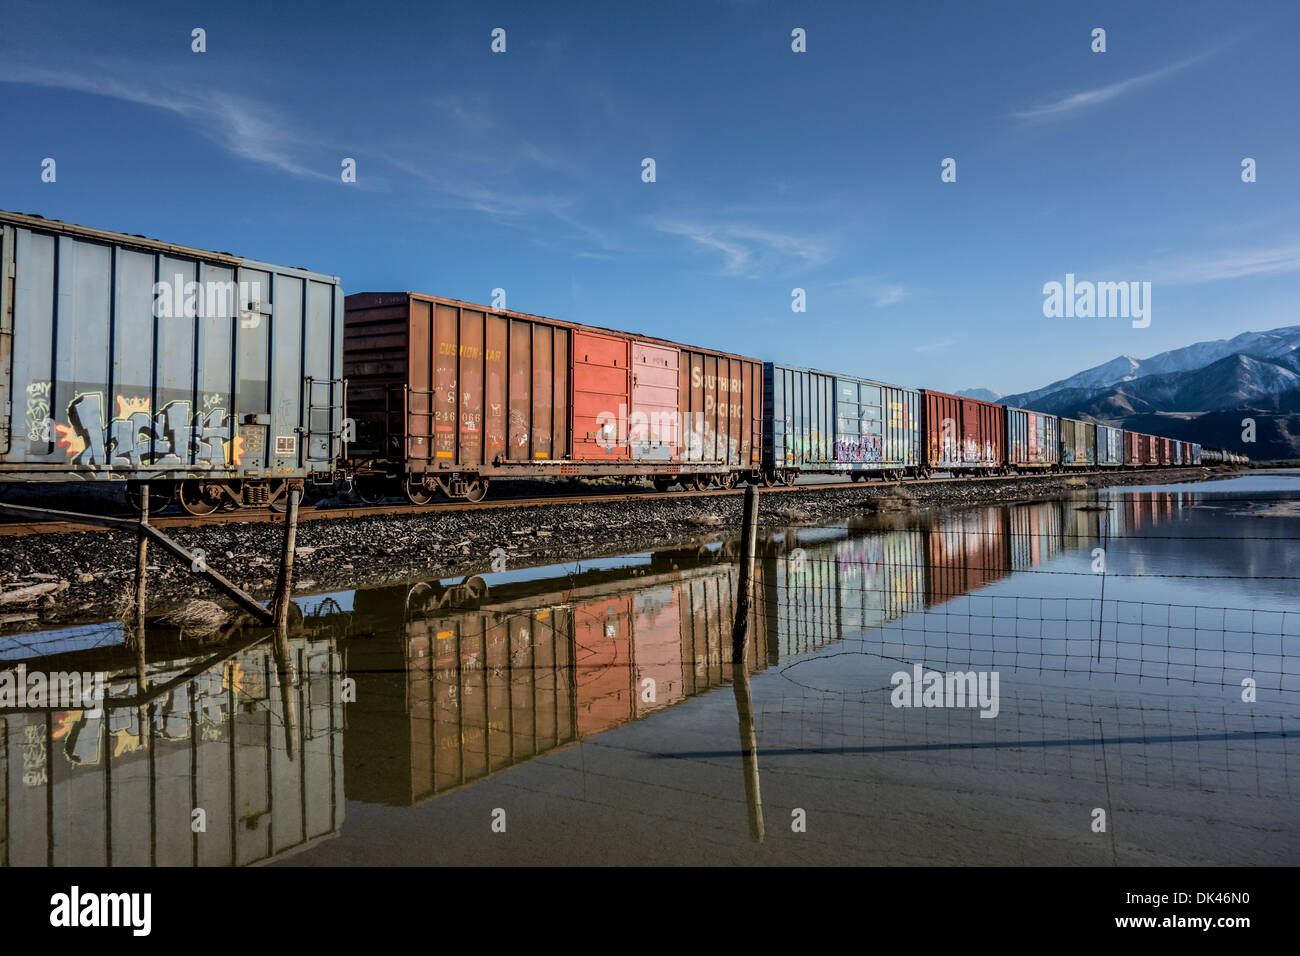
[{"x": 1201, "y": 392}]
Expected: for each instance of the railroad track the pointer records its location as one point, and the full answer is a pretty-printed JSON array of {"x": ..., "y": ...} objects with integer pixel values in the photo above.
[{"x": 20, "y": 528}]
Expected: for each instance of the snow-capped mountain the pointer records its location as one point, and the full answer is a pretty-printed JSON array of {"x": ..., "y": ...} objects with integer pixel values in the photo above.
[{"x": 1272, "y": 345}]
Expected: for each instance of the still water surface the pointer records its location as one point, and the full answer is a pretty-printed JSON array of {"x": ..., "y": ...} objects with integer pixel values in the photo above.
[{"x": 592, "y": 712}]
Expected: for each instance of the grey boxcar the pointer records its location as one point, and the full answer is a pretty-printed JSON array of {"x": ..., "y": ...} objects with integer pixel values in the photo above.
[
  {"x": 819, "y": 422},
  {"x": 1110, "y": 446},
  {"x": 207, "y": 374}
]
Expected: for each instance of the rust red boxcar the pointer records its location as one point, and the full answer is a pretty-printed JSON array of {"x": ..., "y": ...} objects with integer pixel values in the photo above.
[
  {"x": 447, "y": 394},
  {"x": 1132, "y": 456},
  {"x": 963, "y": 434}
]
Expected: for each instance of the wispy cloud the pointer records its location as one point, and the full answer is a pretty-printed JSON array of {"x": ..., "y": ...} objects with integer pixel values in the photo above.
[
  {"x": 748, "y": 250},
  {"x": 479, "y": 183},
  {"x": 880, "y": 292},
  {"x": 936, "y": 346},
  {"x": 1218, "y": 266},
  {"x": 243, "y": 126},
  {"x": 1074, "y": 102}
]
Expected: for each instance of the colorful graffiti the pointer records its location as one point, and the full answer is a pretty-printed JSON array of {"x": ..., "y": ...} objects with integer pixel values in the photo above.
[
  {"x": 172, "y": 437},
  {"x": 205, "y": 704},
  {"x": 868, "y": 448}
]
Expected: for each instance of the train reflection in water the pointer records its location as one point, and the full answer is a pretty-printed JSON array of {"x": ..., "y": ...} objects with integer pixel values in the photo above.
[
  {"x": 458, "y": 681},
  {"x": 455, "y": 682},
  {"x": 446, "y": 696},
  {"x": 261, "y": 759}
]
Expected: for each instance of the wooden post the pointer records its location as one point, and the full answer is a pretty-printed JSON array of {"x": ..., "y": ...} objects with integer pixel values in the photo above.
[
  {"x": 740, "y": 669},
  {"x": 285, "y": 588},
  {"x": 287, "y": 676},
  {"x": 142, "y": 557},
  {"x": 141, "y": 574}
]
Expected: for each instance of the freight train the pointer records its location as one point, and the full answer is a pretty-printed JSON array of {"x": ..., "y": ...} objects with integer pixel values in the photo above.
[{"x": 222, "y": 381}]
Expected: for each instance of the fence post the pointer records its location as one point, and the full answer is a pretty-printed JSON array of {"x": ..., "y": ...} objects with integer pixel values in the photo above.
[
  {"x": 141, "y": 557},
  {"x": 740, "y": 669},
  {"x": 286, "y": 673},
  {"x": 285, "y": 587}
]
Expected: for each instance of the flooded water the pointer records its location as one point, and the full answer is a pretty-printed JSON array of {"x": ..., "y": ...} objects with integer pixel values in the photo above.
[{"x": 1118, "y": 681}]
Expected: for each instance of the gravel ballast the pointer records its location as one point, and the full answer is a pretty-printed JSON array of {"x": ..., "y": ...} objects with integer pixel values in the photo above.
[{"x": 88, "y": 576}]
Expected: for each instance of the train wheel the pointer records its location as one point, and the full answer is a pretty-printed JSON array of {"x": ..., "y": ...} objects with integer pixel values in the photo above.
[
  {"x": 160, "y": 495},
  {"x": 788, "y": 477},
  {"x": 663, "y": 484},
  {"x": 417, "y": 493},
  {"x": 698, "y": 482},
  {"x": 475, "y": 588},
  {"x": 476, "y": 490},
  {"x": 767, "y": 478},
  {"x": 728, "y": 481},
  {"x": 371, "y": 489},
  {"x": 199, "y": 498}
]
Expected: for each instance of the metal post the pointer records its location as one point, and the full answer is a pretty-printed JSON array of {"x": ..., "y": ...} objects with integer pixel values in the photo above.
[
  {"x": 285, "y": 588},
  {"x": 740, "y": 668}
]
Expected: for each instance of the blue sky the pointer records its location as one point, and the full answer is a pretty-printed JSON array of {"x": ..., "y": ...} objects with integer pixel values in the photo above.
[{"x": 775, "y": 170}]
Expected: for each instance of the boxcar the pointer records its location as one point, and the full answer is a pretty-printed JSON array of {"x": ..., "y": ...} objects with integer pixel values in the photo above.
[
  {"x": 1132, "y": 449},
  {"x": 962, "y": 434},
  {"x": 819, "y": 422},
  {"x": 1166, "y": 451},
  {"x": 1078, "y": 443},
  {"x": 447, "y": 395},
  {"x": 1032, "y": 441},
  {"x": 1110, "y": 446},
  {"x": 203, "y": 373},
  {"x": 1195, "y": 451},
  {"x": 1141, "y": 451}
]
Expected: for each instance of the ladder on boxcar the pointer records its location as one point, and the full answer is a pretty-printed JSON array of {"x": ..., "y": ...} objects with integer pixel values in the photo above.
[{"x": 336, "y": 390}]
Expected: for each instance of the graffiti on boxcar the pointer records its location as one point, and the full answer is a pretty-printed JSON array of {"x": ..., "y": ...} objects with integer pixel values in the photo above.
[
  {"x": 171, "y": 437},
  {"x": 518, "y": 429},
  {"x": 207, "y": 709},
  {"x": 38, "y": 411},
  {"x": 808, "y": 446},
  {"x": 35, "y": 769},
  {"x": 868, "y": 448}
]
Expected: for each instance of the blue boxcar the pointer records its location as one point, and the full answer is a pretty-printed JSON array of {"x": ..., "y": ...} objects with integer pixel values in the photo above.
[
  {"x": 820, "y": 422},
  {"x": 1032, "y": 439}
]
